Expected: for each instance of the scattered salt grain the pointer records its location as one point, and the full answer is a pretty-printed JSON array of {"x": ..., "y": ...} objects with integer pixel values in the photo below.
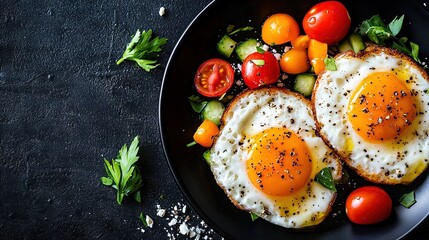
[
  {"x": 184, "y": 209},
  {"x": 183, "y": 229},
  {"x": 149, "y": 221},
  {"x": 161, "y": 11},
  {"x": 172, "y": 222},
  {"x": 160, "y": 212}
]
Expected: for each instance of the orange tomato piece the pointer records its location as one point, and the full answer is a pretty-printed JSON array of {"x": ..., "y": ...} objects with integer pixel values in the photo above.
[
  {"x": 279, "y": 28},
  {"x": 317, "y": 52},
  {"x": 301, "y": 42},
  {"x": 295, "y": 61},
  {"x": 206, "y": 133}
]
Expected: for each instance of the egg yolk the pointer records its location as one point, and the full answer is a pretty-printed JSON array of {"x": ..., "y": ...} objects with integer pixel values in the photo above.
[
  {"x": 381, "y": 107},
  {"x": 280, "y": 163}
]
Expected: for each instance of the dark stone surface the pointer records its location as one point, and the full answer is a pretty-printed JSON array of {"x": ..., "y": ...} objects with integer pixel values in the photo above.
[{"x": 66, "y": 105}]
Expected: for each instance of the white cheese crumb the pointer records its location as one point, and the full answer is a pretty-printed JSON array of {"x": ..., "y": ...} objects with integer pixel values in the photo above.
[
  {"x": 149, "y": 221},
  {"x": 287, "y": 48},
  {"x": 161, "y": 11},
  {"x": 265, "y": 47},
  {"x": 278, "y": 56},
  {"x": 172, "y": 222},
  {"x": 160, "y": 212},
  {"x": 183, "y": 229}
]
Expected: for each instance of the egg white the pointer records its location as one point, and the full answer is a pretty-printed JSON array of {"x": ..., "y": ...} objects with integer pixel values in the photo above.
[
  {"x": 250, "y": 113},
  {"x": 389, "y": 162}
]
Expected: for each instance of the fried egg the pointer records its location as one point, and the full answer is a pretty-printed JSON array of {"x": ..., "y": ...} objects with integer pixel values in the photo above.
[
  {"x": 266, "y": 157},
  {"x": 373, "y": 111}
]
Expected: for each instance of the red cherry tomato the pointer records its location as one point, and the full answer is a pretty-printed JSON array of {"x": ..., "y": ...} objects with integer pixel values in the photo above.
[
  {"x": 327, "y": 22},
  {"x": 260, "y": 69},
  {"x": 368, "y": 205},
  {"x": 214, "y": 77}
]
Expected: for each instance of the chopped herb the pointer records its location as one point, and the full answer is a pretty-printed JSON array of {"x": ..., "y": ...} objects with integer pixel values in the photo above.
[
  {"x": 241, "y": 30},
  {"x": 253, "y": 216},
  {"x": 197, "y": 103},
  {"x": 138, "y": 197},
  {"x": 408, "y": 199},
  {"x": 191, "y": 144},
  {"x": 143, "y": 50},
  {"x": 377, "y": 31},
  {"x": 142, "y": 218},
  {"x": 330, "y": 63},
  {"x": 324, "y": 177},
  {"x": 161, "y": 197},
  {"x": 259, "y": 49},
  {"x": 258, "y": 62},
  {"x": 123, "y": 172}
]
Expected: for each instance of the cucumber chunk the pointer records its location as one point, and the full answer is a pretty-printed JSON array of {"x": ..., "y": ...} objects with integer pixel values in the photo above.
[
  {"x": 206, "y": 156},
  {"x": 345, "y": 46},
  {"x": 213, "y": 111},
  {"x": 226, "y": 46},
  {"x": 356, "y": 42},
  {"x": 304, "y": 84},
  {"x": 247, "y": 47}
]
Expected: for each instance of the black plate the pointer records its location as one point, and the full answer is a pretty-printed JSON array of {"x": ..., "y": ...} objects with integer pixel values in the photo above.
[{"x": 178, "y": 123}]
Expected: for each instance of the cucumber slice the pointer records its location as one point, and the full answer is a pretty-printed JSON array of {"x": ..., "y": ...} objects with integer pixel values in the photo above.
[
  {"x": 247, "y": 47},
  {"x": 345, "y": 46},
  {"x": 356, "y": 42},
  {"x": 226, "y": 46},
  {"x": 213, "y": 111},
  {"x": 304, "y": 84}
]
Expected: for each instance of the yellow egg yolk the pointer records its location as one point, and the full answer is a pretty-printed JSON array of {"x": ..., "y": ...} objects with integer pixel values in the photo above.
[
  {"x": 381, "y": 107},
  {"x": 280, "y": 163}
]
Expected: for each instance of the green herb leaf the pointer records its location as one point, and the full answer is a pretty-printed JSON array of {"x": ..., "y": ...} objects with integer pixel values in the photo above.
[
  {"x": 142, "y": 218},
  {"x": 230, "y": 28},
  {"x": 253, "y": 216},
  {"x": 330, "y": 63},
  {"x": 124, "y": 175},
  {"x": 395, "y": 25},
  {"x": 138, "y": 196},
  {"x": 143, "y": 50},
  {"x": 415, "y": 52},
  {"x": 258, "y": 62},
  {"x": 197, "y": 103},
  {"x": 324, "y": 177},
  {"x": 407, "y": 200},
  {"x": 241, "y": 30}
]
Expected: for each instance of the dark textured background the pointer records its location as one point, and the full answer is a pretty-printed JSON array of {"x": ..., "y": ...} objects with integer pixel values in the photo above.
[{"x": 65, "y": 105}]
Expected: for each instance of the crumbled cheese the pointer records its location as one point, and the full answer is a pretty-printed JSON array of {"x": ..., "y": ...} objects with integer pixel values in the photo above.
[
  {"x": 265, "y": 47},
  {"x": 287, "y": 48},
  {"x": 278, "y": 56},
  {"x": 161, "y": 11}
]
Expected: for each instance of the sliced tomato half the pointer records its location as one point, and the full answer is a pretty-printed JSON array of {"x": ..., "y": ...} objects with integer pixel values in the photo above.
[{"x": 214, "y": 77}]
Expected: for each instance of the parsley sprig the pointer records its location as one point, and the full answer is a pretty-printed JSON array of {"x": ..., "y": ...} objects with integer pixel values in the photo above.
[
  {"x": 380, "y": 33},
  {"x": 143, "y": 50},
  {"x": 123, "y": 174}
]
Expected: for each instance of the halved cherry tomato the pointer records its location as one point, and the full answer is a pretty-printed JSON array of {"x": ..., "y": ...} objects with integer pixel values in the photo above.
[
  {"x": 295, "y": 61},
  {"x": 206, "y": 133},
  {"x": 368, "y": 205},
  {"x": 214, "y": 77},
  {"x": 279, "y": 28},
  {"x": 260, "y": 69},
  {"x": 327, "y": 22}
]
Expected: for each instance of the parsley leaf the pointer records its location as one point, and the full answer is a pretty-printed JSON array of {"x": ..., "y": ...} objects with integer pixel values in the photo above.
[
  {"x": 380, "y": 33},
  {"x": 253, "y": 216},
  {"x": 241, "y": 30},
  {"x": 330, "y": 63},
  {"x": 122, "y": 173},
  {"x": 197, "y": 103},
  {"x": 143, "y": 50}
]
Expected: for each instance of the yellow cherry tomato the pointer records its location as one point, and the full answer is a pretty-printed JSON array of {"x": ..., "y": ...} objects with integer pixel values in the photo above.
[
  {"x": 279, "y": 28},
  {"x": 317, "y": 52},
  {"x": 295, "y": 61}
]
